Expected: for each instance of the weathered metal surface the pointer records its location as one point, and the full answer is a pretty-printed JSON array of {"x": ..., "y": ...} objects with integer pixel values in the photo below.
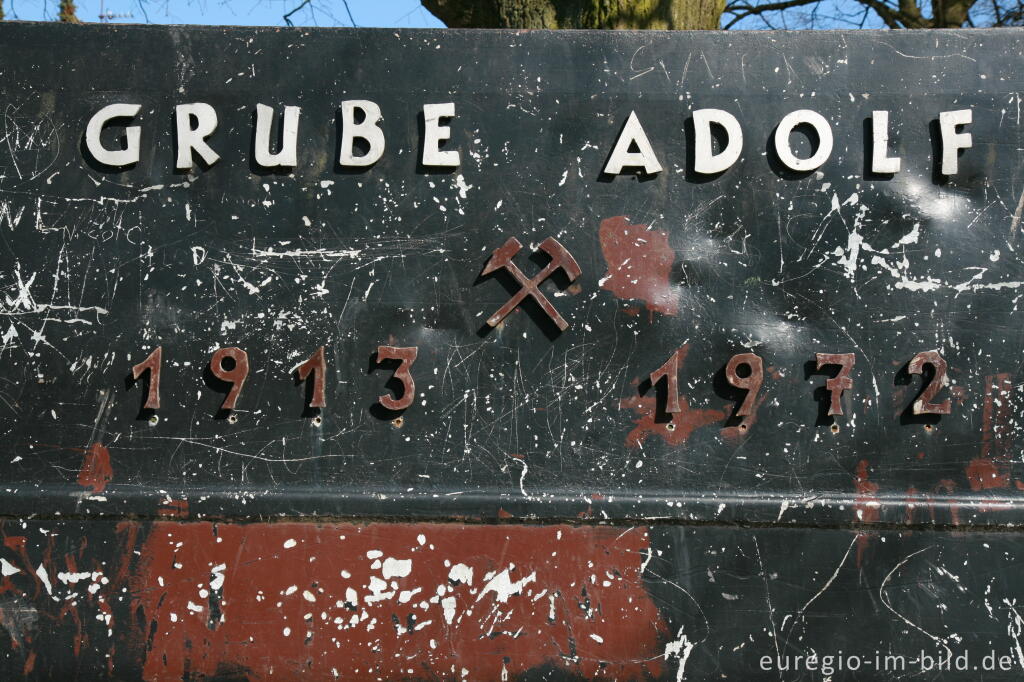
[
  {"x": 168, "y": 600},
  {"x": 219, "y": 367}
]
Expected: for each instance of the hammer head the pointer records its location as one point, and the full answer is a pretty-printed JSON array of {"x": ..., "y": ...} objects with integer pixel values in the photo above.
[
  {"x": 561, "y": 258},
  {"x": 502, "y": 256}
]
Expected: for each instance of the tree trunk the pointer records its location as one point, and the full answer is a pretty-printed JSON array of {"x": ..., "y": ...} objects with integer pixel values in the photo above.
[
  {"x": 615, "y": 14},
  {"x": 67, "y": 12},
  {"x": 950, "y": 13}
]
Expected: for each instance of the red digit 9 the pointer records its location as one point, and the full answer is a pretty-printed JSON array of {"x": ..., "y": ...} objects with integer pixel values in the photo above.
[
  {"x": 752, "y": 382},
  {"x": 236, "y": 376}
]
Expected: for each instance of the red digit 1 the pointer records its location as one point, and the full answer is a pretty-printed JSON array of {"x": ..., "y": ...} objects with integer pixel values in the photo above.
[
  {"x": 235, "y": 376},
  {"x": 751, "y": 383},
  {"x": 670, "y": 370},
  {"x": 406, "y": 356},
  {"x": 317, "y": 366},
  {"x": 842, "y": 381},
  {"x": 152, "y": 363},
  {"x": 924, "y": 404}
]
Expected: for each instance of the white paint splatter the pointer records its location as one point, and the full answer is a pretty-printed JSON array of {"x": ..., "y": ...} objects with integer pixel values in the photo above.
[
  {"x": 396, "y": 568},
  {"x": 503, "y": 587}
]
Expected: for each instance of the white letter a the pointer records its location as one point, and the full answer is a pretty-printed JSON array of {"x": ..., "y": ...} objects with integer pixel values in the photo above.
[{"x": 632, "y": 133}]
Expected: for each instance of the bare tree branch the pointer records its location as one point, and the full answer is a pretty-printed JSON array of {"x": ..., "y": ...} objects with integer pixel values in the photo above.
[
  {"x": 288, "y": 17},
  {"x": 345, "y": 2},
  {"x": 742, "y": 11},
  {"x": 888, "y": 15}
]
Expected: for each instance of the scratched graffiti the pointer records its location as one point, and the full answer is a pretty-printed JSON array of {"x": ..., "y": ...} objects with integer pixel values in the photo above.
[{"x": 489, "y": 322}]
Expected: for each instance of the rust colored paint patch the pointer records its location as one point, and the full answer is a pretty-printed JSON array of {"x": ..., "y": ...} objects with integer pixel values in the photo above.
[
  {"x": 867, "y": 507},
  {"x": 396, "y": 601},
  {"x": 639, "y": 264},
  {"x": 984, "y": 474},
  {"x": 675, "y": 431},
  {"x": 174, "y": 508},
  {"x": 996, "y": 417},
  {"x": 867, "y": 494},
  {"x": 96, "y": 471}
]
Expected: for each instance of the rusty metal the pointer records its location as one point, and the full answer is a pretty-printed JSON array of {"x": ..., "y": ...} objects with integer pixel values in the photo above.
[
  {"x": 750, "y": 382},
  {"x": 561, "y": 259},
  {"x": 235, "y": 375},
  {"x": 402, "y": 374},
  {"x": 841, "y": 381},
  {"x": 315, "y": 366},
  {"x": 923, "y": 404},
  {"x": 670, "y": 372},
  {"x": 152, "y": 365}
]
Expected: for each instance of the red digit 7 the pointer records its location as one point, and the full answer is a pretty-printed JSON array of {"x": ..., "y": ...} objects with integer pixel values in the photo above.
[{"x": 841, "y": 382}]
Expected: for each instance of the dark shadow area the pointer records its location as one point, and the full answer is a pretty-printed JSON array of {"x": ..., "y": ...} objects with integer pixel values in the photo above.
[
  {"x": 227, "y": 672},
  {"x": 661, "y": 413},
  {"x": 393, "y": 385},
  {"x": 905, "y": 378},
  {"x": 446, "y": 145},
  {"x": 868, "y": 145},
  {"x": 637, "y": 173},
  {"x": 532, "y": 309},
  {"x": 934, "y": 132},
  {"x": 122, "y": 143},
  {"x": 277, "y": 141},
  {"x": 310, "y": 386},
  {"x": 810, "y": 135},
  {"x": 218, "y": 385},
  {"x": 197, "y": 160},
  {"x": 360, "y": 146},
  {"x": 718, "y": 142},
  {"x": 142, "y": 383},
  {"x": 821, "y": 394},
  {"x": 723, "y": 389}
]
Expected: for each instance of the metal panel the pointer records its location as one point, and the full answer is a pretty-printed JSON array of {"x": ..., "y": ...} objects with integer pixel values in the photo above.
[{"x": 156, "y": 542}]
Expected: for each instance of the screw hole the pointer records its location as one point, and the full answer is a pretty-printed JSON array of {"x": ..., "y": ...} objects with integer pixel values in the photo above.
[
  {"x": 928, "y": 427},
  {"x": 317, "y": 421},
  {"x": 670, "y": 427},
  {"x": 743, "y": 427},
  {"x": 233, "y": 419},
  {"x": 154, "y": 420},
  {"x": 835, "y": 428}
]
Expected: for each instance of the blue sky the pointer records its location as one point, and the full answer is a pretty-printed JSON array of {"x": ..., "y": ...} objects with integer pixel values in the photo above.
[
  {"x": 386, "y": 13},
  {"x": 370, "y": 13}
]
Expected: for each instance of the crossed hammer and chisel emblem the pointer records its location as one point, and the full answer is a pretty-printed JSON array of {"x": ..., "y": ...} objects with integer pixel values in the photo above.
[{"x": 560, "y": 259}]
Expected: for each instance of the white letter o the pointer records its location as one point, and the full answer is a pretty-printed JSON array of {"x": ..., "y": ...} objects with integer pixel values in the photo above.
[{"x": 786, "y": 126}]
